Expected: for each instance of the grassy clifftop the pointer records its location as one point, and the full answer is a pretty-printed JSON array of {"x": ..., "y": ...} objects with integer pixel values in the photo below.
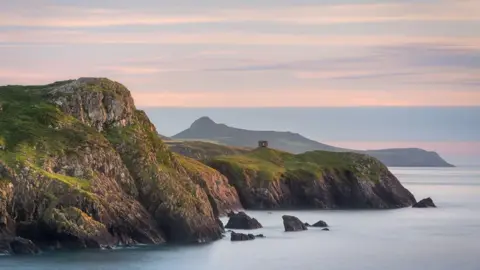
[
  {"x": 271, "y": 164},
  {"x": 203, "y": 150}
]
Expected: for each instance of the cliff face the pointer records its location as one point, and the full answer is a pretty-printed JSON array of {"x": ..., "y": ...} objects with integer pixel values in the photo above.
[
  {"x": 222, "y": 196},
  {"x": 81, "y": 167},
  {"x": 269, "y": 179}
]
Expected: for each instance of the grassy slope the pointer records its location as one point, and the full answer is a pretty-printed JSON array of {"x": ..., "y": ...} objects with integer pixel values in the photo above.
[
  {"x": 270, "y": 164},
  {"x": 202, "y": 150},
  {"x": 33, "y": 130}
]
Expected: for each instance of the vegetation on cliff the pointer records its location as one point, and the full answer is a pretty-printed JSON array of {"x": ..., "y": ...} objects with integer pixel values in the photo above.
[
  {"x": 80, "y": 166},
  {"x": 268, "y": 178},
  {"x": 203, "y": 150}
]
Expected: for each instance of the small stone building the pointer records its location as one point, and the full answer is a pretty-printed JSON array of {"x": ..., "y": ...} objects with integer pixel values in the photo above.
[{"x": 263, "y": 144}]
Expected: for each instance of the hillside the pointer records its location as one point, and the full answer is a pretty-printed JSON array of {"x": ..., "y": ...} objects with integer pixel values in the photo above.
[
  {"x": 203, "y": 150},
  {"x": 81, "y": 167},
  {"x": 206, "y": 129},
  {"x": 270, "y": 179}
]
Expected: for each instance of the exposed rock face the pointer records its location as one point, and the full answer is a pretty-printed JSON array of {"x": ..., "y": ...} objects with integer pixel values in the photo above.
[
  {"x": 87, "y": 100},
  {"x": 243, "y": 222},
  {"x": 84, "y": 168},
  {"x": 241, "y": 237},
  {"x": 293, "y": 224},
  {"x": 321, "y": 224},
  {"x": 425, "y": 203},
  {"x": 222, "y": 196},
  {"x": 277, "y": 181}
]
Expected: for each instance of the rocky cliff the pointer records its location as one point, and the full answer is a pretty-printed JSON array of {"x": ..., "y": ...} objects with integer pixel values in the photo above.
[
  {"x": 271, "y": 179},
  {"x": 80, "y": 167}
]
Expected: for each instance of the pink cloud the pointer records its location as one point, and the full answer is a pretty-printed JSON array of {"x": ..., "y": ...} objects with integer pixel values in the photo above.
[
  {"x": 61, "y": 16},
  {"x": 307, "y": 98},
  {"x": 226, "y": 38},
  {"x": 450, "y": 148}
]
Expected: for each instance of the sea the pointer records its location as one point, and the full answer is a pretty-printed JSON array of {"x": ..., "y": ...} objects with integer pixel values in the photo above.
[{"x": 443, "y": 238}]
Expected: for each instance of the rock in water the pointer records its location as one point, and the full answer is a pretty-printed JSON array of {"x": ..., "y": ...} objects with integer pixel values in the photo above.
[
  {"x": 425, "y": 203},
  {"x": 243, "y": 222},
  {"x": 259, "y": 236},
  {"x": 321, "y": 224},
  {"x": 241, "y": 237},
  {"x": 293, "y": 224},
  {"x": 23, "y": 246},
  {"x": 325, "y": 229}
]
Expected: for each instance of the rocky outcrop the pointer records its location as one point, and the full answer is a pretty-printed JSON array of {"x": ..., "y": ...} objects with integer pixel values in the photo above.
[
  {"x": 85, "y": 169},
  {"x": 321, "y": 224},
  {"x": 241, "y": 237},
  {"x": 222, "y": 196},
  {"x": 425, "y": 203},
  {"x": 293, "y": 224},
  {"x": 242, "y": 221},
  {"x": 271, "y": 179}
]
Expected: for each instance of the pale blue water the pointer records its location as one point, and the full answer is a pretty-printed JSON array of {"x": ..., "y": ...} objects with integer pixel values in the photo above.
[{"x": 405, "y": 239}]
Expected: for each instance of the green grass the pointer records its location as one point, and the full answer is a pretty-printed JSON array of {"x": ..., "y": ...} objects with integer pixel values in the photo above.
[
  {"x": 34, "y": 131},
  {"x": 203, "y": 150},
  {"x": 269, "y": 164},
  {"x": 27, "y": 118}
]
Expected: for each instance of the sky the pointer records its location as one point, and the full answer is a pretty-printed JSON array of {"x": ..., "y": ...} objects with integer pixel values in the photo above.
[{"x": 253, "y": 53}]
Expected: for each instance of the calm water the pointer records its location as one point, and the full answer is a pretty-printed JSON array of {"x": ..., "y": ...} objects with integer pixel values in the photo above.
[{"x": 444, "y": 238}]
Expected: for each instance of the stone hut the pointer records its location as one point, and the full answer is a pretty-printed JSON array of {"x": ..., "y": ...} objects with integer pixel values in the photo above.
[{"x": 263, "y": 144}]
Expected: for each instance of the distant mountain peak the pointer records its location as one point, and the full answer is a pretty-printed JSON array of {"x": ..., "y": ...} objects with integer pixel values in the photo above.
[{"x": 203, "y": 121}]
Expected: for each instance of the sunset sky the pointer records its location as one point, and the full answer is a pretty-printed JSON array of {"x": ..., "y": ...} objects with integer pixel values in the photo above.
[{"x": 252, "y": 53}]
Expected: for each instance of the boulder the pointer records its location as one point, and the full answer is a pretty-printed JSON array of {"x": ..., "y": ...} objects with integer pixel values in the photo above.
[
  {"x": 241, "y": 237},
  {"x": 425, "y": 203},
  {"x": 242, "y": 221},
  {"x": 321, "y": 224},
  {"x": 293, "y": 224},
  {"x": 325, "y": 229},
  {"x": 220, "y": 223},
  {"x": 259, "y": 236},
  {"x": 21, "y": 245}
]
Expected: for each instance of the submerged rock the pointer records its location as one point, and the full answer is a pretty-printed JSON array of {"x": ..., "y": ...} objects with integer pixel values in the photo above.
[
  {"x": 325, "y": 229},
  {"x": 321, "y": 224},
  {"x": 425, "y": 203},
  {"x": 21, "y": 245},
  {"x": 241, "y": 237},
  {"x": 242, "y": 221},
  {"x": 293, "y": 224}
]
